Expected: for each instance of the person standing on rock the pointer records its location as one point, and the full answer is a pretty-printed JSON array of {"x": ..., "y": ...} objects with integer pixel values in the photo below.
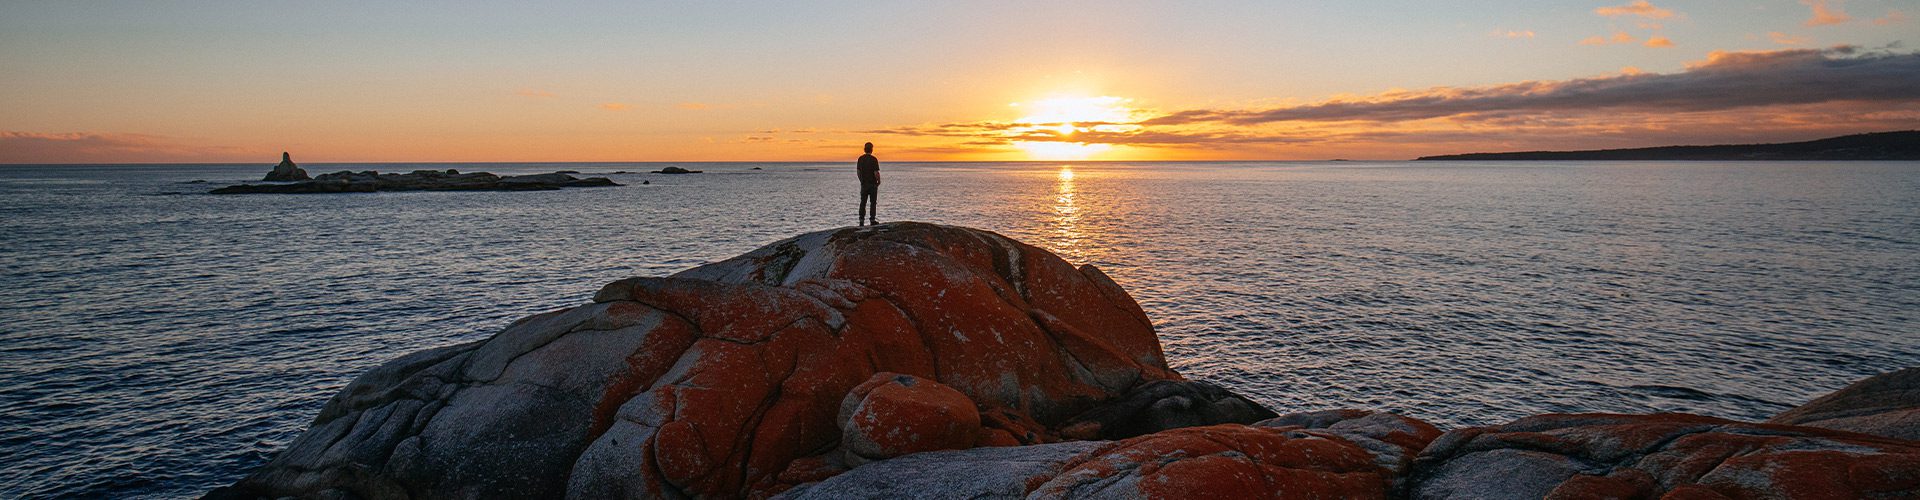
[{"x": 869, "y": 168}]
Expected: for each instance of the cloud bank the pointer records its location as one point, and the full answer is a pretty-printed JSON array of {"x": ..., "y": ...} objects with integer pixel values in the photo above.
[
  {"x": 87, "y": 147},
  {"x": 1730, "y": 96},
  {"x": 1726, "y": 80}
]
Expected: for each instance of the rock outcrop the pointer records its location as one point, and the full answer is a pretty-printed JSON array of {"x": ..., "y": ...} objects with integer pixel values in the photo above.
[
  {"x": 286, "y": 171},
  {"x": 1883, "y": 405},
  {"x": 1332, "y": 454},
  {"x": 676, "y": 170},
  {"x": 419, "y": 180},
  {"x": 729, "y": 379},
  {"x": 1662, "y": 456}
]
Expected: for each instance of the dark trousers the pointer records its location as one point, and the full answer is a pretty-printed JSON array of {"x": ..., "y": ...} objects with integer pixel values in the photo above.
[{"x": 869, "y": 197}]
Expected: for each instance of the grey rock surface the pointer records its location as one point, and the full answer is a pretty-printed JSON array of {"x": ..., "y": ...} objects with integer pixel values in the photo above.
[
  {"x": 1667, "y": 455},
  {"x": 1003, "y": 472},
  {"x": 1393, "y": 440},
  {"x": 1887, "y": 405}
]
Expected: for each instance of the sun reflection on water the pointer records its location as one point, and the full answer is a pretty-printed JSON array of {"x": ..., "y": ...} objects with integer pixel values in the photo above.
[{"x": 1067, "y": 233}]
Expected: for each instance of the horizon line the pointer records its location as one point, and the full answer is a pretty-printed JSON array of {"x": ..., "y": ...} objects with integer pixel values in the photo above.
[{"x": 702, "y": 161}]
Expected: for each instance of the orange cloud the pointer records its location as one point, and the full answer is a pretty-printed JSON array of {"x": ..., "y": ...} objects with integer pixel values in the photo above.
[
  {"x": 1638, "y": 8},
  {"x": 534, "y": 93},
  {"x": 693, "y": 106},
  {"x": 1825, "y": 14},
  {"x": 1892, "y": 17},
  {"x": 1618, "y": 37},
  {"x": 1514, "y": 34},
  {"x": 613, "y": 106},
  {"x": 1785, "y": 39},
  {"x": 1657, "y": 41}
]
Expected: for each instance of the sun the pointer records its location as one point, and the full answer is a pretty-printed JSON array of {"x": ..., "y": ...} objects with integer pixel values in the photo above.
[
  {"x": 1078, "y": 109},
  {"x": 1051, "y": 126}
]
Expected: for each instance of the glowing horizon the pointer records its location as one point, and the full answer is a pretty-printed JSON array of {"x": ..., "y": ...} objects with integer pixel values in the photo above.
[{"x": 140, "y": 82}]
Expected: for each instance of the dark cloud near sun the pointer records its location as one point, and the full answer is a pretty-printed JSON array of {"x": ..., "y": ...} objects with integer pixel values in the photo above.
[{"x": 1726, "y": 80}]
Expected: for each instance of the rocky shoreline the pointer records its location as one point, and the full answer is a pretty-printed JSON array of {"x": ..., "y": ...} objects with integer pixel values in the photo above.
[
  {"x": 419, "y": 180},
  {"x": 917, "y": 360}
]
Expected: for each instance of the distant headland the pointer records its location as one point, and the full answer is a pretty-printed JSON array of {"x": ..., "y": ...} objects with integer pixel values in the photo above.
[{"x": 1902, "y": 145}]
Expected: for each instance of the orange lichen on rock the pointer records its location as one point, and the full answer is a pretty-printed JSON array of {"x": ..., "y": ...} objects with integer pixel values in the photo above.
[
  {"x": 1222, "y": 461},
  {"x": 892, "y": 414},
  {"x": 1392, "y": 439},
  {"x": 728, "y": 379},
  {"x": 1675, "y": 455}
]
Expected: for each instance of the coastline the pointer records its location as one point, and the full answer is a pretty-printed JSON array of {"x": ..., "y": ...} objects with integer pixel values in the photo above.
[{"x": 1878, "y": 146}]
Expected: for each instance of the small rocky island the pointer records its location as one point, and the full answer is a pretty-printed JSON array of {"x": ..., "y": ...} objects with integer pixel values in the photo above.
[
  {"x": 911, "y": 360},
  {"x": 286, "y": 171},
  {"x": 418, "y": 180}
]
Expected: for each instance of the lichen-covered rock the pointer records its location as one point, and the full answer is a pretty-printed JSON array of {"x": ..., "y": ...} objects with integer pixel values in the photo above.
[
  {"x": 893, "y": 414},
  {"x": 725, "y": 380},
  {"x": 1648, "y": 456},
  {"x": 1334, "y": 454},
  {"x": 1393, "y": 440},
  {"x": 1887, "y": 405},
  {"x": 994, "y": 472},
  {"x": 1222, "y": 461}
]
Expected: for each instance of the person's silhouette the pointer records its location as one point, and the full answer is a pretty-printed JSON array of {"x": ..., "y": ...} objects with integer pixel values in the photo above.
[{"x": 869, "y": 168}]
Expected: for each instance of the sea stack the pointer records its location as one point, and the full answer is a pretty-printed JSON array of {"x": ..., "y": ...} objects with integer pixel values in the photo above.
[{"x": 286, "y": 170}]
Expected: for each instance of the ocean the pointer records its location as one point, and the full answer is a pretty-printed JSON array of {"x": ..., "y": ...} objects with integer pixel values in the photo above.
[{"x": 156, "y": 341}]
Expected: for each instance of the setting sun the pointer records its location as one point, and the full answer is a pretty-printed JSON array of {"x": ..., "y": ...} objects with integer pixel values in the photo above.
[
  {"x": 1076, "y": 110},
  {"x": 1048, "y": 129}
]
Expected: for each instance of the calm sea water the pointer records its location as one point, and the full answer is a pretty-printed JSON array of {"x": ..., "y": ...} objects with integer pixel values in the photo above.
[{"x": 157, "y": 341}]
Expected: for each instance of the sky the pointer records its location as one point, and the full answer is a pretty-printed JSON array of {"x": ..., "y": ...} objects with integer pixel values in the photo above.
[{"x": 343, "y": 81}]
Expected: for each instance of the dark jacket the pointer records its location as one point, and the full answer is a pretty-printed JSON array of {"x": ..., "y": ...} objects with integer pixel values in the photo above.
[{"x": 869, "y": 168}]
